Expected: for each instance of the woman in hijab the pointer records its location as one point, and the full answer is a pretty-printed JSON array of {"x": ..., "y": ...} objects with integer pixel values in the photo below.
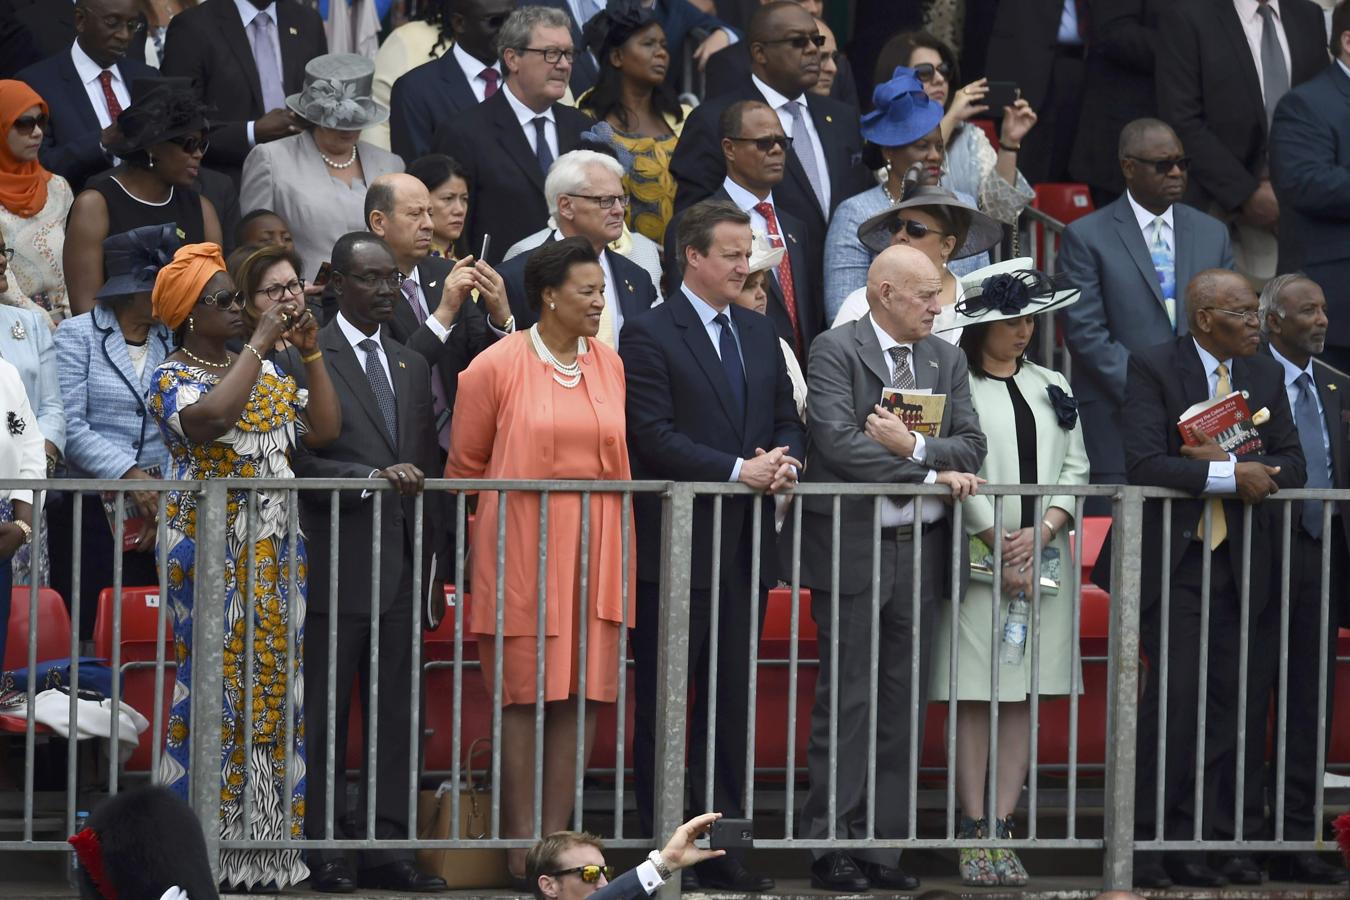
[
  {"x": 224, "y": 415},
  {"x": 33, "y": 206}
]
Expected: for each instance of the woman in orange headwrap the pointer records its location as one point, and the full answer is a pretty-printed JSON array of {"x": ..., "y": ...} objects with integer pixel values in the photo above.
[
  {"x": 228, "y": 416},
  {"x": 33, "y": 205}
]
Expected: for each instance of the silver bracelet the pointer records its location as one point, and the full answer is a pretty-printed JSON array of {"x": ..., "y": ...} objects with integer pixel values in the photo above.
[{"x": 659, "y": 863}]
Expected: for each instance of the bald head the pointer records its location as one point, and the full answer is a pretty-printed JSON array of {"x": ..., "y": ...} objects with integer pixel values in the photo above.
[
  {"x": 398, "y": 209},
  {"x": 1223, "y": 313},
  {"x": 902, "y": 293}
]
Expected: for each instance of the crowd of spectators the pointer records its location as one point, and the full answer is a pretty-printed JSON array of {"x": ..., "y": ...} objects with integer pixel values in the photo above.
[{"x": 245, "y": 238}]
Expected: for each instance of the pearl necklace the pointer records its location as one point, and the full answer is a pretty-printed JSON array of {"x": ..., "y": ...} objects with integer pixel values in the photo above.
[
  {"x": 351, "y": 161},
  {"x": 569, "y": 376},
  {"x": 197, "y": 359}
]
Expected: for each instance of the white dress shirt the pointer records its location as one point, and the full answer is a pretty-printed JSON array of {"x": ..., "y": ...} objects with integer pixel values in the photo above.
[
  {"x": 780, "y": 106},
  {"x": 893, "y": 511},
  {"x": 526, "y": 116},
  {"x": 473, "y": 73},
  {"x": 706, "y": 313},
  {"x": 1252, "y": 23},
  {"x": 355, "y": 336},
  {"x": 747, "y": 202},
  {"x": 1345, "y": 70},
  {"x": 1292, "y": 373},
  {"x": 430, "y": 321},
  {"x": 247, "y": 13},
  {"x": 89, "y": 72},
  {"x": 1145, "y": 220},
  {"x": 1221, "y": 478}
]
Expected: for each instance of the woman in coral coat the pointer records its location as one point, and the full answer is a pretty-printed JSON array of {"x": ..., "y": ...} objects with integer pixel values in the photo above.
[{"x": 547, "y": 403}]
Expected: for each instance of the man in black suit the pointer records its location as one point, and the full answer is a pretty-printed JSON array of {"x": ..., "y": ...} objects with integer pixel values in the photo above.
[
  {"x": 32, "y": 30},
  {"x": 1218, "y": 356},
  {"x": 86, "y": 86},
  {"x": 1294, "y": 319},
  {"x": 708, "y": 400},
  {"x": 507, "y": 143},
  {"x": 796, "y": 300},
  {"x": 824, "y": 165},
  {"x": 586, "y": 199},
  {"x": 1222, "y": 68},
  {"x": 437, "y": 316},
  {"x": 246, "y": 57},
  {"x": 387, "y": 432},
  {"x": 728, "y": 67},
  {"x": 465, "y": 76}
]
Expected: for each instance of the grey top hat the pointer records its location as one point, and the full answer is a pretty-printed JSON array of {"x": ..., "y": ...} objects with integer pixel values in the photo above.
[{"x": 337, "y": 93}]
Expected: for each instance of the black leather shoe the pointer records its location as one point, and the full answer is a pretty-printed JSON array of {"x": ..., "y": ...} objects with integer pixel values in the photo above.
[
  {"x": 886, "y": 877},
  {"x": 838, "y": 872},
  {"x": 1306, "y": 868},
  {"x": 401, "y": 876},
  {"x": 1151, "y": 875},
  {"x": 728, "y": 874},
  {"x": 1242, "y": 870},
  {"x": 332, "y": 877},
  {"x": 689, "y": 880},
  {"x": 1193, "y": 874}
]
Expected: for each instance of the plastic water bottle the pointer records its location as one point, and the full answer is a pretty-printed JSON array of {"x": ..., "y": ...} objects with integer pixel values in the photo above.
[
  {"x": 1014, "y": 645},
  {"x": 74, "y": 874}
]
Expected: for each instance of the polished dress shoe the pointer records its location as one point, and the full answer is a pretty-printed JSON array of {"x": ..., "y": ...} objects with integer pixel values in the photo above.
[
  {"x": 838, "y": 872},
  {"x": 689, "y": 880},
  {"x": 728, "y": 874},
  {"x": 1242, "y": 870},
  {"x": 1193, "y": 874},
  {"x": 332, "y": 877},
  {"x": 894, "y": 879},
  {"x": 401, "y": 876},
  {"x": 1151, "y": 875},
  {"x": 1306, "y": 868}
]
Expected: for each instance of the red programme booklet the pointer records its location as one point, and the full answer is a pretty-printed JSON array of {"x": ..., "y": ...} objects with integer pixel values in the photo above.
[{"x": 1227, "y": 420}]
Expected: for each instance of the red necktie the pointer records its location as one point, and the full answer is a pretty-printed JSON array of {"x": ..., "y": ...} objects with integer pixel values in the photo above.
[
  {"x": 489, "y": 77},
  {"x": 765, "y": 209},
  {"x": 114, "y": 108}
]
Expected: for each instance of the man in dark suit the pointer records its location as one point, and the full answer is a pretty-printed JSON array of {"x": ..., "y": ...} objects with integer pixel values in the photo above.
[
  {"x": 1294, "y": 319},
  {"x": 246, "y": 57},
  {"x": 388, "y": 433},
  {"x": 1217, "y": 356},
  {"x": 1131, "y": 272},
  {"x": 32, "y": 30},
  {"x": 87, "y": 85},
  {"x": 507, "y": 143},
  {"x": 437, "y": 316},
  {"x": 1223, "y": 66},
  {"x": 824, "y": 166},
  {"x": 796, "y": 299},
  {"x": 1310, "y": 169},
  {"x": 586, "y": 199},
  {"x": 728, "y": 68},
  {"x": 708, "y": 400},
  {"x": 465, "y": 76},
  {"x": 852, "y": 439}
]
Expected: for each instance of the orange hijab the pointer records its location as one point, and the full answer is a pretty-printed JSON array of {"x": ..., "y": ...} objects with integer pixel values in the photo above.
[{"x": 23, "y": 185}]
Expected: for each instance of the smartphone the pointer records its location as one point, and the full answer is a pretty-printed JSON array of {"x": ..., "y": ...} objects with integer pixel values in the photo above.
[
  {"x": 322, "y": 277},
  {"x": 729, "y": 833},
  {"x": 487, "y": 242},
  {"x": 1001, "y": 94}
]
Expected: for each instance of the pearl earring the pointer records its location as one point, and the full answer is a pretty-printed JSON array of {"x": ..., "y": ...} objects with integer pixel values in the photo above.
[
  {"x": 553, "y": 306},
  {"x": 152, "y": 161}
]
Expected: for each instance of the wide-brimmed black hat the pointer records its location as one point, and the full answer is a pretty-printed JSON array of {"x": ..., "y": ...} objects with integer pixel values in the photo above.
[
  {"x": 132, "y": 259},
  {"x": 161, "y": 109},
  {"x": 982, "y": 232},
  {"x": 615, "y": 24}
]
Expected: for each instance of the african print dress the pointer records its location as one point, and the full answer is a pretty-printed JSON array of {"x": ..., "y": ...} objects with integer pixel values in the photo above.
[{"x": 258, "y": 446}]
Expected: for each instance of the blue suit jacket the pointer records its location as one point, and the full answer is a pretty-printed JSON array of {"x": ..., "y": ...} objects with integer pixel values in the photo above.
[
  {"x": 26, "y": 342},
  {"x": 70, "y": 147},
  {"x": 422, "y": 98},
  {"x": 626, "y": 887},
  {"x": 1310, "y": 169},
  {"x": 1121, "y": 310},
  {"x": 633, "y": 286}
]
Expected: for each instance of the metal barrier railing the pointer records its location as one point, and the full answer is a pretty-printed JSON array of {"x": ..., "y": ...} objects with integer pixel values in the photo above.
[{"x": 682, "y": 505}]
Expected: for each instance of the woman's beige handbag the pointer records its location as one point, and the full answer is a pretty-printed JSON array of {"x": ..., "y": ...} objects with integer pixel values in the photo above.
[{"x": 472, "y": 868}]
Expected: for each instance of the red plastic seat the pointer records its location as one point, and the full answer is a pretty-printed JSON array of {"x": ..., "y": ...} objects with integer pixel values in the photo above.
[
  {"x": 989, "y": 128},
  {"x": 53, "y": 641},
  {"x": 1065, "y": 202},
  {"x": 141, "y": 612}
]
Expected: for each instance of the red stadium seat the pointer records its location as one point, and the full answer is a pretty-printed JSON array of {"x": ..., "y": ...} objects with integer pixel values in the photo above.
[
  {"x": 1065, "y": 202},
  {"x": 989, "y": 128},
  {"x": 53, "y": 641},
  {"x": 141, "y": 611}
]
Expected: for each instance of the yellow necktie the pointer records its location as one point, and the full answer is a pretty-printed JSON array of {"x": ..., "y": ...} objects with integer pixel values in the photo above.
[
  {"x": 606, "y": 333},
  {"x": 1219, "y": 533}
]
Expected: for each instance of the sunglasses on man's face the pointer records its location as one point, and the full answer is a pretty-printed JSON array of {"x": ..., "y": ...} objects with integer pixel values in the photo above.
[
  {"x": 799, "y": 41},
  {"x": 766, "y": 144},
  {"x": 924, "y": 71},
  {"x": 916, "y": 230},
  {"x": 26, "y": 124},
  {"x": 589, "y": 874},
  {"x": 192, "y": 143},
  {"x": 1164, "y": 166}
]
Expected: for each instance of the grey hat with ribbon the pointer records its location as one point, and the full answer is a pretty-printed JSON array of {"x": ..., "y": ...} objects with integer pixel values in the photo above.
[{"x": 337, "y": 93}]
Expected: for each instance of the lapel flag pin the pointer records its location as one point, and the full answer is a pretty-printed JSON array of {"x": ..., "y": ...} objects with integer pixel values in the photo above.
[
  {"x": 630, "y": 286},
  {"x": 431, "y": 284},
  {"x": 294, "y": 31},
  {"x": 402, "y": 364},
  {"x": 793, "y": 238},
  {"x": 829, "y": 118},
  {"x": 1331, "y": 387},
  {"x": 933, "y": 363}
]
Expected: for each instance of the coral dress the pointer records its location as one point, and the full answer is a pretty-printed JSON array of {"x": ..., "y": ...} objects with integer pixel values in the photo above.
[{"x": 512, "y": 420}]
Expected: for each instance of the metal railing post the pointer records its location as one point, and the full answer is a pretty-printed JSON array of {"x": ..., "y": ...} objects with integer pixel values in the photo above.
[
  {"x": 1122, "y": 679},
  {"x": 672, "y": 666},
  {"x": 208, "y": 652}
]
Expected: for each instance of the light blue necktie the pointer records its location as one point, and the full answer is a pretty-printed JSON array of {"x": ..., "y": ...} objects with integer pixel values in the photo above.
[
  {"x": 1164, "y": 263},
  {"x": 262, "y": 39}
]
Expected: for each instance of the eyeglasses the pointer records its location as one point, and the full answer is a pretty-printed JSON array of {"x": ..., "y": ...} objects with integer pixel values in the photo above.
[
  {"x": 916, "y": 230},
  {"x": 1251, "y": 317},
  {"x": 275, "y": 292},
  {"x": 589, "y": 874},
  {"x": 117, "y": 23},
  {"x": 551, "y": 54},
  {"x": 798, "y": 41},
  {"x": 26, "y": 124},
  {"x": 392, "y": 280},
  {"x": 192, "y": 143},
  {"x": 225, "y": 299},
  {"x": 1164, "y": 166},
  {"x": 606, "y": 201},
  {"x": 924, "y": 71},
  {"x": 766, "y": 144}
]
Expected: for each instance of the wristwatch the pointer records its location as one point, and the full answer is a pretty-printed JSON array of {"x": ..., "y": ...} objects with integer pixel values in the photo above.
[{"x": 659, "y": 863}]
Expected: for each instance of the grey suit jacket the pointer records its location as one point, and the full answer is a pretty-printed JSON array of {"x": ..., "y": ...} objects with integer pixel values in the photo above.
[
  {"x": 1121, "y": 310},
  {"x": 847, "y": 373}
]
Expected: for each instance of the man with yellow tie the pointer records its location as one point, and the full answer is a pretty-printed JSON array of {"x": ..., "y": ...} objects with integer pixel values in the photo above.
[
  {"x": 1219, "y": 355},
  {"x": 586, "y": 198}
]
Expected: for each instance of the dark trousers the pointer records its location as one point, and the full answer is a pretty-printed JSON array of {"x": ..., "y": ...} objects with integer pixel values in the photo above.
[
  {"x": 394, "y": 781},
  {"x": 96, "y": 557},
  {"x": 1183, "y": 703},
  {"x": 6, "y": 589},
  {"x": 1047, "y": 147},
  {"x": 735, "y": 618},
  {"x": 897, "y": 717}
]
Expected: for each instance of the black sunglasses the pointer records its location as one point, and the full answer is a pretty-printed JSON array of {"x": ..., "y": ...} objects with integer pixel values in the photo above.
[
  {"x": 799, "y": 41},
  {"x": 1164, "y": 166},
  {"x": 916, "y": 230},
  {"x": 766, "y": 144},
  {"x": 225, "y": 299},
  {"x": 26, "y": 124},
  {"x": 589, "y": 874},
  {"x": 924, "y": 71},
  {"x": 192, "y": 143}
]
